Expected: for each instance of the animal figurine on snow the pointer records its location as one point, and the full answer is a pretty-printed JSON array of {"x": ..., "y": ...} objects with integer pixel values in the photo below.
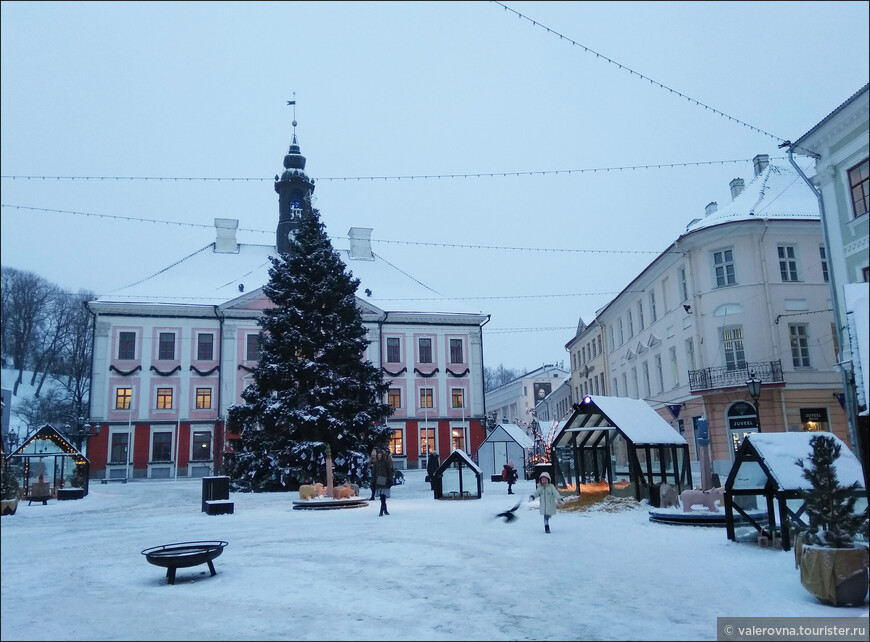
[
  {"x": 310, "y": 491},
  {"x": 706, "y": 498},
  {"x": 668, "y": 496},
  {"x": 342, "y": 492},
  {"x": 307, "y": 491}
]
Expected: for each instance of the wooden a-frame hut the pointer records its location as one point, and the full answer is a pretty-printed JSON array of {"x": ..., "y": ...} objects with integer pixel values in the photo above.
[
  {"x": 620, "y": 439},
  {"x": 46, "y": 452},
  {"x": 765, "y": 466},
  {"x": 458, "y": 477}
]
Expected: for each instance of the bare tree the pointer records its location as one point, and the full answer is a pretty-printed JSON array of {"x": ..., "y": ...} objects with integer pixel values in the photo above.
[
  {"x": 47, "y": 346},
  {"x": 48, "y": 331},
  {"x": 73, "y": 369},
  {"x": 52, "y": 408},
  {"x": 496, "y": 378},
  {"x": 26, "y": 312}
]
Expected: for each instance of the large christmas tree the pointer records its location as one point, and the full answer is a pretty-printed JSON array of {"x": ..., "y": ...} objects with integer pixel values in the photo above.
[{"x": 313, "y": 395}]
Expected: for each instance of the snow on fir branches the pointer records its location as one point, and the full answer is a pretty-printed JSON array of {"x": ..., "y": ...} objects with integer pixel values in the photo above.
[
  {"x": 830, "y": 507},
  {"x": 311, "y": 388}
]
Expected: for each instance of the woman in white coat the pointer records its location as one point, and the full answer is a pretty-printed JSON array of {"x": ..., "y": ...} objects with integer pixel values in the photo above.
[{"x": 549, "y": 496}]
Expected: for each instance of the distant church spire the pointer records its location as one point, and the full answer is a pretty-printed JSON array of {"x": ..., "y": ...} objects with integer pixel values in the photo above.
[{"x": 294, "y": 190}]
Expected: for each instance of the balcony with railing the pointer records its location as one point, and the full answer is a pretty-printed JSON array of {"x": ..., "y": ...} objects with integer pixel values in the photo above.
[{"x": 725, "y": 377}]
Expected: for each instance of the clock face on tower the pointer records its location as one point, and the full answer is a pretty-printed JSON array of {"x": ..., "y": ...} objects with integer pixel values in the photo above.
[{"x": 295, "y": 210}]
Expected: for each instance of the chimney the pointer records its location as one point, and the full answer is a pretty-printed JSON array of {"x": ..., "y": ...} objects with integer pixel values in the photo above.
[
  {"x": 711, "y": 207},
  {"x": 225, "y": 241},
  {"x": 760, "y": 163},
  {"x": 360, "y": 243},
  {"x": 736, "y": 185}
]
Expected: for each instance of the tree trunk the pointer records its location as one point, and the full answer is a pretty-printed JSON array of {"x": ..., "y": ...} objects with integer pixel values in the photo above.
[{"x": 328, "y": 454}]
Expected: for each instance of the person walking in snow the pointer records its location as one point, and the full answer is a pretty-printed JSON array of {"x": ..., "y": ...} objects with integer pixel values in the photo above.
[
  {"x": 372, "y": 459},
  {"x": 549, "y": 497},
  {"x": 509, "y": 474},
  {"x": 431, "y": 466},
  {"x": 382, "y": 476}
]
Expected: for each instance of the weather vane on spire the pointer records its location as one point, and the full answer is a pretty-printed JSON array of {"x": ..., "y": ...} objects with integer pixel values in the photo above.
[{"x": 293, "y": 102}]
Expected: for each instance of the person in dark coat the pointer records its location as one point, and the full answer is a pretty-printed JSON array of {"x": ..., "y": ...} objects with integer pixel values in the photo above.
[
  {"x": 382, "y": 476},
  {"x": 431, "y": 466},
  {"x": 372, "y": 458},
  {"x": 509, "y": 474}
]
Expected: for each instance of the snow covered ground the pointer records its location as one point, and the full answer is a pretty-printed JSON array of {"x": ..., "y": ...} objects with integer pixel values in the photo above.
[{"x": 431, "y": 570}]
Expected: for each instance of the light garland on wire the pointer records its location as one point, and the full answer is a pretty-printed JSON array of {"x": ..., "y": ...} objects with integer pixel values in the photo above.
[
  {"x": 632, "y": 72},
  {"x": 545, "y": 172}
]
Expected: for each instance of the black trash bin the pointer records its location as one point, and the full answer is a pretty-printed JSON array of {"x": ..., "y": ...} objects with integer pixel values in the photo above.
[{"x": 214, "y": 488}]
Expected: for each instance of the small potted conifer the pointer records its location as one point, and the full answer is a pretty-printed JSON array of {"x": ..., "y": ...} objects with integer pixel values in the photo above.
[
  {"x": 831, "y": 550},
  {"x": 9, "y": 489}
]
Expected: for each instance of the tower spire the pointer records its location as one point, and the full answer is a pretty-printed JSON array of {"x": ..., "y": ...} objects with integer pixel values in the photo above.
[
  {"x": 294, "y": 190},
  {"x": 293, "y": 102}
]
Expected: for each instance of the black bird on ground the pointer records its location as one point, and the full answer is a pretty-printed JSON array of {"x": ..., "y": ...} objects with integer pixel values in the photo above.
[{"x": 509, "y": 515}]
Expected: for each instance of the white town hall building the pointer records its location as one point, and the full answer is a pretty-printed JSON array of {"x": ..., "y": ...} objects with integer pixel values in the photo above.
[{"x": 175, "y": 350}]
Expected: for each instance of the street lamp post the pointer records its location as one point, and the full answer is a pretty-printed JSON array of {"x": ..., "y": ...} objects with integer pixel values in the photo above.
[
  {"x": 753, "y": 384},
  {"x": 82, "y": 431},
  {"x": 11, "y": 440}
]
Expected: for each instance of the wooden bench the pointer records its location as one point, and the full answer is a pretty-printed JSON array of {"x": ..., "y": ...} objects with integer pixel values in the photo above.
[{"x": 39, "y": 492}]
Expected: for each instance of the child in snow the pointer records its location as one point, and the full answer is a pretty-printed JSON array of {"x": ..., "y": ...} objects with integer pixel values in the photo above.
[{"x": 549, "y": 497}]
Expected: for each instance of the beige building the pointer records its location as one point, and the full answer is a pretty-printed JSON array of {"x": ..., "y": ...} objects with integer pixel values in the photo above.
[
  {"x": 741, "y": 295},
  {"x": 588, "y": 361}
]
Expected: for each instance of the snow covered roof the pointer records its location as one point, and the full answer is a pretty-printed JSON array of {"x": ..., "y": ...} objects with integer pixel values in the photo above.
[
  {"x": 780, "y": 450},
  {"x": 777, "y": 192},
  {"x": 212, "y": 278},
  {"x": 508, "y": 432},
  {"x": 634, "y": 418},
  {"x": 458, "y": 454},
  {"x": 797, "y": 145},
  {"x": 857, "y": 305}
]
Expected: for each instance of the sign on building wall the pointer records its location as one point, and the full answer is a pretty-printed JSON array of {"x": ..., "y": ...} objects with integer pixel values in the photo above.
[{"x": 542, "y": 390}]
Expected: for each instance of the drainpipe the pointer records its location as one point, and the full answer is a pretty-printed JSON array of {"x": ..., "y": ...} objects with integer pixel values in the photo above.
[
  {"x": 222, "y": 447},
  {"x": 850, "y": 396},
  {"x": 93, "y": 356},
  {"x": 482, "y": 381},
  {"x": 381, "y": 323},
  {"x": 765, "y": 275}
]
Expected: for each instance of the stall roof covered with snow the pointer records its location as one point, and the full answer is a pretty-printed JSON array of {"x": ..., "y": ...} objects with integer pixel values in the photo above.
[
  {"x": 458, "y": 477},
  {"x": 766, "y": 465},
  {"x": 624, "y": 441},
  {"x": 506, "y": 443}
]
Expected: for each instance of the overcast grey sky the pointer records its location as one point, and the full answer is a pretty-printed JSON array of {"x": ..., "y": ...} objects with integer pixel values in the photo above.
[{"x": 521, "y": 100}]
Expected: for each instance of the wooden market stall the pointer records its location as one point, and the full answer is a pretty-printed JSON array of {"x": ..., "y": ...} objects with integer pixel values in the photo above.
[
  {"x": 765, "y": 467},
  {"x": 623, "y": 441},
  {"x": 458, "y": 477},
  {"x": 46, "y": 454}
]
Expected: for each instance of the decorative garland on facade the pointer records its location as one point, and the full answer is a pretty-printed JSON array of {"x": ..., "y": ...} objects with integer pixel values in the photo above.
[
  {"x": 458, "y": 374},
  {"x": 165, "y": 374},
  {"x": 427, "y": 375},
  {"x": 394, "y": 374},
  {"x": 245, "y": 368},
  {"x": 125, "y": 374},
  {"x": 204, "y": 373}
]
